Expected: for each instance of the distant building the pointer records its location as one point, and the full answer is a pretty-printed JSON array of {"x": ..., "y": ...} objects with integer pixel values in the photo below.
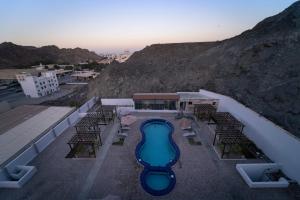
[
  {"x": 66, "y": 66},
  {"x": 85, "y": 75},
  {"x": 184, "y": 101},
  {"x": 63, "y": 72},
  {"x": 38, "y": 86},
  {"x": 123, "y": 56},
  {"x": 42, "y": 67},
  {"x": 155, "y": 101},
  {"x": 83, "y": 63},
  {"x": 188, "y": 100},
  {"x": 106, "y": 61}
]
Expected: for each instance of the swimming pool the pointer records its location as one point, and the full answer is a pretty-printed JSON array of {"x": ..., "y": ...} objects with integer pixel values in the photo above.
[{"x": 157, "y": 152}]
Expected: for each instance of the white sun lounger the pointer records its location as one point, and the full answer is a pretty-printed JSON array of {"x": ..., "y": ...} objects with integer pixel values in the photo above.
[
  {"x": 125, "y": 128},
  {"x": 186, "y": 128},
  {"x": 122, "y": 134},
  {"x": 189, "y": 134}
]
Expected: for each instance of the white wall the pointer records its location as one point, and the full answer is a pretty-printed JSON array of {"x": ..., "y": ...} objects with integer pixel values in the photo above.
[
  {"x": 42, "y": 143},
  {"x": 277, "y": 143},
  {"x": 28, "y": 86},
  {"x": 118, "y": 102}
]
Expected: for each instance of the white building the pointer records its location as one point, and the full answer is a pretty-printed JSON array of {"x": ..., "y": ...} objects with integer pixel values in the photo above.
[
  {"x": 188, "y": 100},
  {"x": 122, "y": 57},
  {"x": 38, "y": 86},
  {"x": 85, "y": 74}
]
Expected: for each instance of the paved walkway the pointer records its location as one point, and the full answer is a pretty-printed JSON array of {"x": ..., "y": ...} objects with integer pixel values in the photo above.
[{"x": 87, "y": 185}]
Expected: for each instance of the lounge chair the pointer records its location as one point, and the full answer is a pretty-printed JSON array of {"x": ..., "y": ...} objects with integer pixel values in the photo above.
[
  {"x": 125, "y": 128},
  {"x": 122, "y": 134},
  {"x": 189, "y": 128},
  {"x": 189, "y": 134}
]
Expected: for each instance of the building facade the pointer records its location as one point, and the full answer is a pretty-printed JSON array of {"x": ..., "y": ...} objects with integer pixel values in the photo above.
[
  {"x": 183, "y": 101},
  {"x": 155, "y": 101},
  {"x": 85, "y": 75},
  {"x": 188, "y": 100},
  {"x": 38, "y": 86}
]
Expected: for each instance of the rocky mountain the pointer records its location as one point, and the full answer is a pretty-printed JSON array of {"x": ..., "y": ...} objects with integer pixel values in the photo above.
[
  {"x": 260, "y": 68},
  {"x": 16, "y": 56}
]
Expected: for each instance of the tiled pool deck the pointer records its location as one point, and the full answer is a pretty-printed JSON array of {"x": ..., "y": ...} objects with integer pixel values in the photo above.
[{"x": 115, "y": 172}]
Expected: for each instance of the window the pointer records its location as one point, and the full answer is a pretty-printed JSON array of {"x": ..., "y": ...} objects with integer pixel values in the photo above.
[{"x": 190, "y": 103}]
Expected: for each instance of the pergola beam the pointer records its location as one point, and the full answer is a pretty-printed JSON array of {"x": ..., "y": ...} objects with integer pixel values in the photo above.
[{"x": 204, "y": 111}]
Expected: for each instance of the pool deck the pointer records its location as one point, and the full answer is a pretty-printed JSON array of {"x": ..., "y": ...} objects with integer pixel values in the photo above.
[{"x": 114, "y": 174}]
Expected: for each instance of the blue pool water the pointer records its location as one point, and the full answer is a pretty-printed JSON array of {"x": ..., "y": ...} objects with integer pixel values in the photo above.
[
  {"x": 157, "y": 152},
  {"x": 158, "y": 181}
]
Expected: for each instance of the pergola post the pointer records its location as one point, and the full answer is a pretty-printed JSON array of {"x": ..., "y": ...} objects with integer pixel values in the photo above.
[
  {"x": 223, "y": 151},
  {"x": 215, "y": 138}
]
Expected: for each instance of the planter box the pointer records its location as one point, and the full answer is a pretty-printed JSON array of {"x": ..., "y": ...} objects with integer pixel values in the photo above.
[
  {"x": 7, "y": 182},
  {"x": 253, "y": 175}
]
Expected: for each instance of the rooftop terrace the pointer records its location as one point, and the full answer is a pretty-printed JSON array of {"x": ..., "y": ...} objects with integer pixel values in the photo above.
[
  {"x": 115, "y": 172},
  {"x": 192, "y": 95}
]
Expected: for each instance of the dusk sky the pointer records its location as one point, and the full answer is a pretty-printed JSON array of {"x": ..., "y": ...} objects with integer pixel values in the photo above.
[{"x": 113, "y": 26}]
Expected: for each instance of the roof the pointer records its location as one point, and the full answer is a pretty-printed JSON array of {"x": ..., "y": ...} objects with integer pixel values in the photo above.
[
  {"x": 17, "y": 138},
  {"x": 192, "y": 95},
  {"x": 204, "y": 107},
  {"x": 225, "y": 118},
  {"x": 155, "y": 96},
  {"x": 13, "y": 117},
  {"x": 84, "y": 74},
  {"x": 10, "y": 74},
  {"x": 62, "y": 71},
  {"x": 117, "y": 102}
]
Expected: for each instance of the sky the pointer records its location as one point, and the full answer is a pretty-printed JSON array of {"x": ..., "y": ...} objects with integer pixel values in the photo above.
[{"x": 107, "y": 26}]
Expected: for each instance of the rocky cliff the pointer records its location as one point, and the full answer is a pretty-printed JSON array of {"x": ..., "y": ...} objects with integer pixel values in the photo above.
[
  {"x": 260, "y": 68},
  {"x": 16, "y": 56}
]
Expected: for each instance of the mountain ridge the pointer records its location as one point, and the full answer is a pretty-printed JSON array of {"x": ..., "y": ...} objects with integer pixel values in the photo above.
[
  {"x": 260, "y": 68},
  {"x": 17, "y": 56}
]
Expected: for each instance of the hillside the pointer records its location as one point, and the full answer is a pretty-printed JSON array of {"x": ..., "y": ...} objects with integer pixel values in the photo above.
[
  {"x": 260, "y": 68},
  {"x": 16, "y": 56}
]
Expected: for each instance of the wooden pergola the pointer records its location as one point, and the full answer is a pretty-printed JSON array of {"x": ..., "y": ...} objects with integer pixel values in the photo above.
[
  {"x": 87, "y": 124},
  {"x": 106, "y": 113},
  {"x": 223, "y": 133},
  {"x": 228, "y": 130},
  {"x": 88, "y": 139},
  {"x": 224, "y": 121},
  {"x": 233, "y": 139},
  {"x": 88, "y": 132},
  {"x": 204, "y": 111}
]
